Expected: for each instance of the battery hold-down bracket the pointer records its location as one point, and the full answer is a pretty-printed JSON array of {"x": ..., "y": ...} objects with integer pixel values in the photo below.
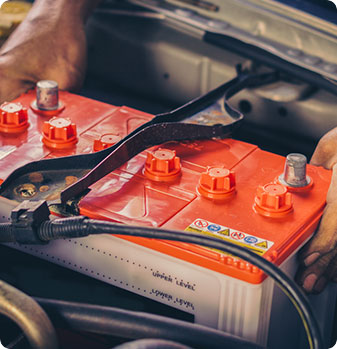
[{"x": 187, "y": 122}]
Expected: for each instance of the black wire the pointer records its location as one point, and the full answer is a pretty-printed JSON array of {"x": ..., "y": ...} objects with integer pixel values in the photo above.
[
  {"x": 136, "y": 325},
  {"x": 82, "y": 226}
]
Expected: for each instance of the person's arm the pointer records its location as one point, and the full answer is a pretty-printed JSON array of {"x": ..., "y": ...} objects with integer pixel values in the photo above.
[
  {"x": 49, "y": 44},
  {"x": 319, "y": 257}
]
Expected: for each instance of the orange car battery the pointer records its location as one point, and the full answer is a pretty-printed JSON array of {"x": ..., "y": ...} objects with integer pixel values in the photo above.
[{"x": 227, "y": 189}]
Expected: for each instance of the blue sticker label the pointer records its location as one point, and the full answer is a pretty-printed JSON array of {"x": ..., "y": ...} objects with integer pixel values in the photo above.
[
  {"x": 251, "y": 239},
  {"x": 214, "y": 227}
]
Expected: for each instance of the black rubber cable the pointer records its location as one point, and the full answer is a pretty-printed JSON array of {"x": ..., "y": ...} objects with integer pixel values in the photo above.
[
  {"x": 135, "y": 325},
  {"x": 6, "y": 232},
  {"x": 80, "y": 226},
  {"x": 29, "y": 316}
]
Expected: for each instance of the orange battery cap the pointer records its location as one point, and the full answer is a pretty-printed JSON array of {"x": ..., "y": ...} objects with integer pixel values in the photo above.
[
  {"x": 106, "y": 141},
  {"x": 273, "y": 200},
  {"x": 13, "y": 118},
  {"x": 217, "y": 183},
  {"x": 162, "y": 165},
  {"x": 59, "y": 133}
]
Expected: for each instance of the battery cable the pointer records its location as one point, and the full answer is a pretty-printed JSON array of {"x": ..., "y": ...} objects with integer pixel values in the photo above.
[{"x": 24, "y": 229}]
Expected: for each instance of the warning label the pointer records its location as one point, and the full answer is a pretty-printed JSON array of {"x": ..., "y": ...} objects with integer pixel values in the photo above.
[
  {"x": 200, "y": 223},
  {"x": 254, "y": 243},
  {"x": 236, "y": 235}
]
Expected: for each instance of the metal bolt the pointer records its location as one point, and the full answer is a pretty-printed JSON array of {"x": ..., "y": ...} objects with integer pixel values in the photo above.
[
  {"x": 26, "y": 190},
  {"x": 295, "y": 171},
  {"x": 47, "y": 95}
]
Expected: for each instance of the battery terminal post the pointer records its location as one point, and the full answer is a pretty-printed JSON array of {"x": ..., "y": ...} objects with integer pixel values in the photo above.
[
  {"x": 47, "y": 101},
  {"x": 294, "y": 176}
]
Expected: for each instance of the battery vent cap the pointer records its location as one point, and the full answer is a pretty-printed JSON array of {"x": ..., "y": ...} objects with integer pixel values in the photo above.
[
  {"x": 273, "y": 200},
  {"x": 13, "y": 118},
  {"x": 217, "y": 183},
  {"x": 162, "y": 165},
  {"x": 59, "y": 133},
  {"x": 106, "y": 141}
]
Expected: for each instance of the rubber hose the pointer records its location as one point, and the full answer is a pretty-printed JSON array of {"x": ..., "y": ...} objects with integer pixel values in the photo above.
[
  {"x": 136, "y": 325},
  {"x": 29, "y": 316}
]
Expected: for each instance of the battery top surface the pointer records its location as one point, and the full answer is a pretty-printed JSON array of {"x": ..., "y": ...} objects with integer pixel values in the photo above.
[{"x": 222, "y": 188}]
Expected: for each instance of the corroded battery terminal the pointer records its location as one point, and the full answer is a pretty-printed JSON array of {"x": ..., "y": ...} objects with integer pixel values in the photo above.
[
  {"x": 47, "y": 98},
  {"x": 295, "y": 172}
]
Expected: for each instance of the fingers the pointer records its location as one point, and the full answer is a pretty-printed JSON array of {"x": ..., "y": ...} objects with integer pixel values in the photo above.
[
  {"x": 315, "y": 277},
  {"x": 12, "y": 88},
  {"x": 318, "y": 258},
  {"x": 325, "y": 238},
  {"x": 13, "y": 83},
  {"x": 326, "y": 151}
]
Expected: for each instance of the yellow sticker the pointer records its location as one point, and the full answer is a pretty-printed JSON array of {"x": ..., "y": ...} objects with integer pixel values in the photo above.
[
  {"x": 263, "y": 244},
  {"x": 254, "y": 243},
  {"x": 224, "y": 232}
]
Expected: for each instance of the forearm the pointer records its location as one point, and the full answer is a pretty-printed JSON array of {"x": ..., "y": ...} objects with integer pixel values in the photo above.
[{"x": 57, "y": 17}]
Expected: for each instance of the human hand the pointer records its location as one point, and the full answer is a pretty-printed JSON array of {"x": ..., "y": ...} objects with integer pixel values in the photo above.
[
  {"x": 319, "y": 257},
  {"x": 50, "y": 44},
  {"x": 13, "y": 83}
]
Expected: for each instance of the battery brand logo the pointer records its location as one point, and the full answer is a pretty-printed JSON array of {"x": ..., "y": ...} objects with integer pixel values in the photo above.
[
  {"x": 214, "y": 227},
  {"x": 201, "y": 223},
  {"x": 237, "y": 235}
]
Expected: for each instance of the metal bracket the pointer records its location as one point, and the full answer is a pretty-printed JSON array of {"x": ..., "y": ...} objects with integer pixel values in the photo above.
[{"x": 205, "y": 117}]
